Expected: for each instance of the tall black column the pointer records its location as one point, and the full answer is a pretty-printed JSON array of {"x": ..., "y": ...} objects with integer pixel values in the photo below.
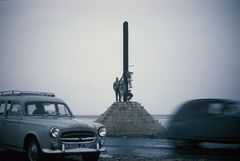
[{"x": 125, "y": 57}]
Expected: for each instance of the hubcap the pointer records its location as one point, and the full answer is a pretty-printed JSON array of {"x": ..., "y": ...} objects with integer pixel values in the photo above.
[{"x": 33, "y": 152}]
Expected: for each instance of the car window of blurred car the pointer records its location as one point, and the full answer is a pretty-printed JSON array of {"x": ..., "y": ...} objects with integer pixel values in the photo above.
[
  {"x": 193, "y": 110},
  {"x": 215, "y": 108},
  {"x": 225, "y": 109},
  {"x": 233, "y": 110}
]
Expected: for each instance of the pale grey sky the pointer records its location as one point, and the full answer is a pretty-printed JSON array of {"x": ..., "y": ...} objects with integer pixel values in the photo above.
[{"x": 180, "y": 49}]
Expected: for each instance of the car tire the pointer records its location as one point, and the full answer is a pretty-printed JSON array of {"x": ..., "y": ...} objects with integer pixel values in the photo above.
[
  {"x": 91, "y": 156},
  {"x": 33, "y": 151}
]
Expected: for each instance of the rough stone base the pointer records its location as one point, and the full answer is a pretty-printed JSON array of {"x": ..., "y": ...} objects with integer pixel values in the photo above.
[{"x": 130, "y": 119}]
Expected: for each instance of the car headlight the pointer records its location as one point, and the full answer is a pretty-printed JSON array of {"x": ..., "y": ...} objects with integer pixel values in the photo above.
[
  {"x": 54, "y": 132},
  {"x": 102, "y": 131}
]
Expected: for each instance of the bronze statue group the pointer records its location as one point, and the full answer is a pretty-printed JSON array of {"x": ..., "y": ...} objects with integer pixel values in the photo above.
[{"x": 120, "y": 88}]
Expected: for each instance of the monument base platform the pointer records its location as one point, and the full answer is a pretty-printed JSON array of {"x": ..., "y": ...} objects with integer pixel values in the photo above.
[{"x": 130, "y": 119}]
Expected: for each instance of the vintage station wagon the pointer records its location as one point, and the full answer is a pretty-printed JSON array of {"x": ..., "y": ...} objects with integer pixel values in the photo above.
[{"x": 37, "y": 123}]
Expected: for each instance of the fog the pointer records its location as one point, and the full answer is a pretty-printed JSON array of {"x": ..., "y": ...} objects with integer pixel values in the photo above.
[{"x": 178, "y": 49}]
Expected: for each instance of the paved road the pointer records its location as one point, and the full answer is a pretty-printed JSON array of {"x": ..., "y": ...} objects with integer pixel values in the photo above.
[
  {"x": 138, "y": 147},
  {"x": 165, "y": 149},
  {"x": 153, "y": 148}
]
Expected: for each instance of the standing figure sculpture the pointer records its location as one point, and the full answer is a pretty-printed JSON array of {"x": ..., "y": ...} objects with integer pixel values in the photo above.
[
  {"x": 122, "y": 90},
  {"x": 116, "y": 85}
]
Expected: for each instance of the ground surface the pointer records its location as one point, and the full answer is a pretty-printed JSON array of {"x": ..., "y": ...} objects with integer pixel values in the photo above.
[
  {"x": 143, "y": 149},
  {"x": 11, "y": 156}
]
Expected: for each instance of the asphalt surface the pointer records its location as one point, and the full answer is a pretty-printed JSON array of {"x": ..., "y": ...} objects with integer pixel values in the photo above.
[
  {"x": 149, "y": 148},
  {"x": 162, "y": 148}
]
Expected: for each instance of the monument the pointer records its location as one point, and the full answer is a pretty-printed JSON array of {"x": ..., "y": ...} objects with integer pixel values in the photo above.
[
  {"x": 125, "y": 57},
  {"x": 128, "y": 118}
]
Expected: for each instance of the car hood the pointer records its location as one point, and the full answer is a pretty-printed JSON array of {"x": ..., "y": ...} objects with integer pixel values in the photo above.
[{"x": 62, "y": 122}]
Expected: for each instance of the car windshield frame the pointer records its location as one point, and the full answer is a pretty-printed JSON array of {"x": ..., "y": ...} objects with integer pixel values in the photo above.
[{"x": 46, "y": 112}]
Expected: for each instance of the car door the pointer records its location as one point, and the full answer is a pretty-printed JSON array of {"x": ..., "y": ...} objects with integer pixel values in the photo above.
[
  {"x": 11, "y": 126},
  {"x": 227, "y": 122},
  {"x": 219, "y": 125}
]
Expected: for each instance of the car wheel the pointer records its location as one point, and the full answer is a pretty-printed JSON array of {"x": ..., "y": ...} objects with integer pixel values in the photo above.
[
  {"x": 33, "y": 150},
  {"x": 91, "y": 156}
]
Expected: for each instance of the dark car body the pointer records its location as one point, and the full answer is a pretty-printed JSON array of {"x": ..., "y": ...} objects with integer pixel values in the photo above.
[{"x": 206, "y": 120}]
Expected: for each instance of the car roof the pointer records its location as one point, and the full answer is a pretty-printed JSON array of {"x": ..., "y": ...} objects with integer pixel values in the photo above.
[
  {"x": 209, "y": 100},
  {"x": 30, "y": 98},
  {"x": 192, "y": 103},
  {"x": 198, "y": 106}
]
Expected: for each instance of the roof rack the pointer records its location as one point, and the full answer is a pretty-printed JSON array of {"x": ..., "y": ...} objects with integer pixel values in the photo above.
[{"x": 29, "y": 93}]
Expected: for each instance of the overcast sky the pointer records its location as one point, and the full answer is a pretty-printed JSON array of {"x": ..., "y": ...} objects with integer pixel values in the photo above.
[{"x": 180, "y": 49}]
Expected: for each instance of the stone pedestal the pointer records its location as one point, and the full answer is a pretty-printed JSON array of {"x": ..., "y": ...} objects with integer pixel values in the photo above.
[{"x": 130, "y": 119}]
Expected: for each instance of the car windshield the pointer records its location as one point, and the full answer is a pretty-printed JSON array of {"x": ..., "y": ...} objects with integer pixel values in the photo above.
[{"x": 46, "y": 109}]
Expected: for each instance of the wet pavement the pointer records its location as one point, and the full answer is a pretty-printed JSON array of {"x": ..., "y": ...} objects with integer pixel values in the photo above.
[
  {"x": 162, "y": 148},
  {"x": 150, "y": 148}
]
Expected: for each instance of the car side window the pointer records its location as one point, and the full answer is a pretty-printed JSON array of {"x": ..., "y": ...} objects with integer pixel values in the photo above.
[
  {"x": 62, "y": 110},
  {"x": 49, "y": 108},
  {"x": 232, "y": 110},
  {"x": 224, "y": 109},
  {"x": 8, "y": 107},
  {"x": 30, "y": 109},
  {"x": 2, "y": 108},
  {"x": 15, "y": 110},
  {"x": 215, "y": 108}
]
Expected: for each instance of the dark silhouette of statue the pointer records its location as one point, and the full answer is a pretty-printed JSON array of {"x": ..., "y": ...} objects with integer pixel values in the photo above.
[{"x": 116, "y": 85}]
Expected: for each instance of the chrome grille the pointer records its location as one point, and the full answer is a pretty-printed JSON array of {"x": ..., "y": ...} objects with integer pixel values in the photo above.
[{"x": 78, "y": 137}]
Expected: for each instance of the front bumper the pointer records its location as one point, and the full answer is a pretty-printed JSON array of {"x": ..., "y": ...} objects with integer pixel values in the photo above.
[{"x": 76, "y": 150}]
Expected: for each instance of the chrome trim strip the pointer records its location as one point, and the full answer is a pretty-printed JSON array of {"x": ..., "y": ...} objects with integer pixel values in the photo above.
[
  {"x": 78, "y": 140},
  {"x": 69, "y": 139},
  {"x": 77, "y": 150},
  {"x": 81, "y": 142}
]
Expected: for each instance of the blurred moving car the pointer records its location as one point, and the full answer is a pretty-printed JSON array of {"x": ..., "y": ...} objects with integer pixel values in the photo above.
[
  {"x": 205, "y": 120},
  {"x": 38, "y": 123}
]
